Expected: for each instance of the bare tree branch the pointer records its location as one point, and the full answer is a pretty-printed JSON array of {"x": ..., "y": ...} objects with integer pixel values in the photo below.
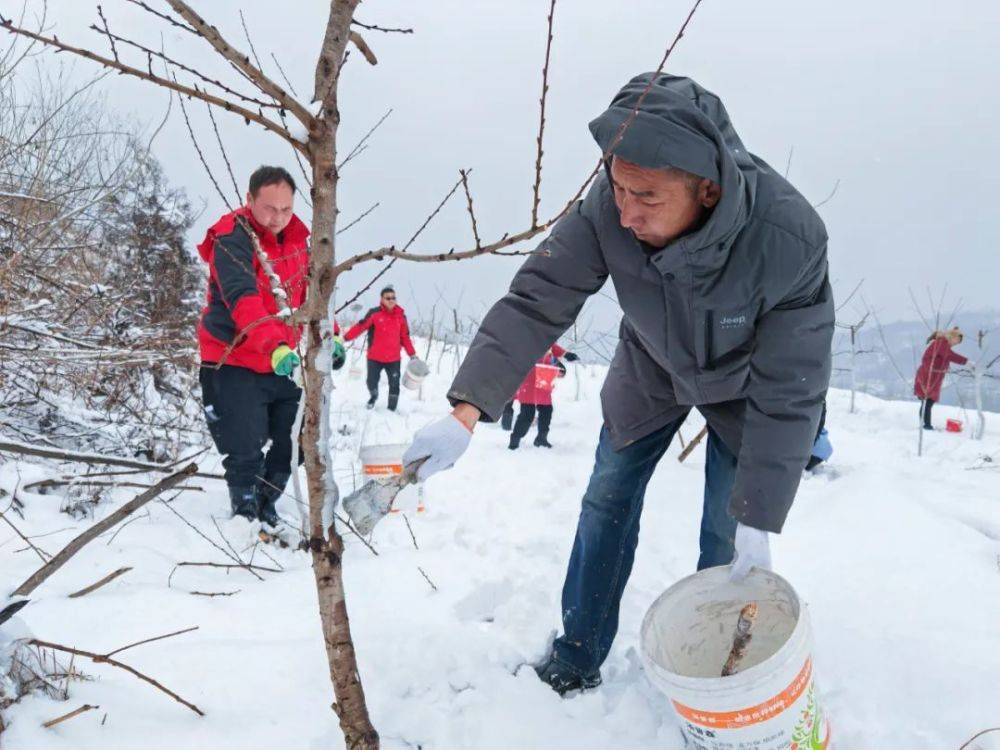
[{"x": 541, "y": 126}]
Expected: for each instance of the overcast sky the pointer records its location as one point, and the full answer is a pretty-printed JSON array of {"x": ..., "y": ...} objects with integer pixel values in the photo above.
[{"x": 897, "y": 99}]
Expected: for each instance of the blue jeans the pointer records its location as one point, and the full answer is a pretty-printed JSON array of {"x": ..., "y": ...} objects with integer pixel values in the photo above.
[{"x": 608, "y": 531}]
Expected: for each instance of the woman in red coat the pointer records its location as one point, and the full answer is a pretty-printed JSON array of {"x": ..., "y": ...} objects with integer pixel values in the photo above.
[
  {"x": 933, "y": 367},
  {"x": 535, "y": 396}
]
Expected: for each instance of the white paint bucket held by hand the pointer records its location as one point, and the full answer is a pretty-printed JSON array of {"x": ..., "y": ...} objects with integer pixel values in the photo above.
[
  {"x": 771, "y": 702},
  {"x": 416, "y": 371}
]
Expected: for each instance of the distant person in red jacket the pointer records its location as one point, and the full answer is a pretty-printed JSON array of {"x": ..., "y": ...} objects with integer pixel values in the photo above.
[
  {"x": 247, "y": 350},
  {"x": 534, "y": 398},
  {"x": 937, "y": 357},
  {"x": 388, "y": 332}
]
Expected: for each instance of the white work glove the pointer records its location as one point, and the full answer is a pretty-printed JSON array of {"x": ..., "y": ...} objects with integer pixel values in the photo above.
[
  {"x": 753, "y": 549},
  {"x": 442, "y": 443}
]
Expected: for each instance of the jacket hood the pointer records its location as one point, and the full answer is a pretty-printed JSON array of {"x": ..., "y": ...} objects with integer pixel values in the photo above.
[
  {"x": 680, "y": 124},
  {"x": 296, "y": 231}
]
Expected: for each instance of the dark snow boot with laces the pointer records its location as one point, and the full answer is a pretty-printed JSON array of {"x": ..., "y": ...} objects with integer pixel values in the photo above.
[
  {"x": 243, "y": 501},
  {"x": 267, "y": 496}
]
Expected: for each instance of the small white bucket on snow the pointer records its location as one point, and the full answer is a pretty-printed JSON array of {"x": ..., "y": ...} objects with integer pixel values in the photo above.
[
  {"x": 771, "y": 702},
  {"x": 416, "y": 371},
  {"x": 385, "y": 461},
  {"x": 382, "y": 460}
]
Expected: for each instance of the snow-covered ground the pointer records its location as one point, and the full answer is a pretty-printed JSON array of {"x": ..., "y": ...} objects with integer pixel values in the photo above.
[{"x": 897, "y": 556}]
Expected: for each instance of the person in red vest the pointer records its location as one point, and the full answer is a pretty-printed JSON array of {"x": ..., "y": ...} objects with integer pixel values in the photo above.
[
  {"x": 933, "y": 367},
  {"x": 536, "y": 398},
  {"x": 388, "y": 332},
  {"x": 248, "y": 352}
]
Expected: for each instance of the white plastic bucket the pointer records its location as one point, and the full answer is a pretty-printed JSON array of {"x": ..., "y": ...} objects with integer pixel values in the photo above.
[
  {"x": 771, "y": 703},
  {"x": 382, "y": 461},
  {"x": 416, "y": 371}
]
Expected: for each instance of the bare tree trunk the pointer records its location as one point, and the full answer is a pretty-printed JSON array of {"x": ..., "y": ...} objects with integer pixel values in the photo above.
[{"x": 326, "y": 546}]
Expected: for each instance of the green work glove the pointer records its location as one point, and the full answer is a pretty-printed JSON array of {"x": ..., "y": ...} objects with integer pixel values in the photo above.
[
  {"x": 339, "y": 354},
  {"x": 284, "y": 361}
]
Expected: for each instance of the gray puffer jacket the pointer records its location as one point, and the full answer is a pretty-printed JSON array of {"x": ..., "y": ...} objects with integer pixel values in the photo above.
[{"x": 735, "y": 318}]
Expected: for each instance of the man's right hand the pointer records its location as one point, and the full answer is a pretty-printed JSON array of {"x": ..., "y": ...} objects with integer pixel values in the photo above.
[{"x": 442, "y": 442}]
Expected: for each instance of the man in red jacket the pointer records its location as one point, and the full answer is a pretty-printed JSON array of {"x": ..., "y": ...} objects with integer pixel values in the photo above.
[
  {"x": 247, "y": 349},
  {"x": 388, "y": 332}
]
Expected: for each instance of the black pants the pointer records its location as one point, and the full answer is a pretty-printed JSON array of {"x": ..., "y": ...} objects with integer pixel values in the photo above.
[
  {"x": 244, "y": 410},
  {"x": 392, "y": 374},
  {"x": 527, "y": 414},
  {"x": 925, "y": 410}
]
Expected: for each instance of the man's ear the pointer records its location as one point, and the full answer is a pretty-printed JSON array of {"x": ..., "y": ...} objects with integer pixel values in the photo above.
[
  {"x": 708, "y": 193},
  {"x": 249, "y": 199}
]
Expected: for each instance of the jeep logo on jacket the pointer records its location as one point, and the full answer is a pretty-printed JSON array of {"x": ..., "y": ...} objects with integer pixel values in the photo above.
[{"x": 735, "y": 318}]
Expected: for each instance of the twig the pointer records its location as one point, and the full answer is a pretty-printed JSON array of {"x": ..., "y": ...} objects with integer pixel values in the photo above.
[
  {"x": 42, "y": 555},
  {"x": 231, "y": 555},
  {"x": 164, "y": 16},
  {"x": 150, "y": 640},
  {"x": 828, "y": 198},
  {"x": 642, "y": 97},
  {"x": 93, "y": 458},
  {"x": 372, "y": 27},
  {"x": 693, "y": 444},
  {"x": 363, "y": 47},
  {"x": 410, "y": 529},
  {"x": 247, "y": 114},
  {"x": 360, "y": 145},
  {"x": 222, "y": 150},
  {"x": 215, "y": 593},
  {"x": 103, "y": 659},
  {"x": 39, "y": 576},
  {"x": 363, "y": 215},
  {"x": 541, "y": 127},
  {"x": 65, "y": 717},
  {"x": 977, "y": 736},
  {"x": 427, "y": 578},
  {"x": 94, "y": 586},
  {"x": 227, "y": 566},
  {"x": 201, "y": 156},
  {"x": 472, "y": 213}
]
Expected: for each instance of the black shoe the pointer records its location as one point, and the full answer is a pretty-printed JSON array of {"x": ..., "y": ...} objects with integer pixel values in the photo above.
[
  {"x": 243, "y": 501},
  {"x": 267, "y": 496},
  {"x": 542, "y": 441},
  {"x": 515, "y": 441},
  {"x": 928, "y": 427},
  {"x": 563, "y": 679},
  {"x": 370, "y": 405}
]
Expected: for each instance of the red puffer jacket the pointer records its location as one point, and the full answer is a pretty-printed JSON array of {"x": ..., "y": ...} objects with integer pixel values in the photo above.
[
  {"x": 933, "y": 367},
  {"x": 241, "y": 307},
  {"x": 388, "y": 331},
  {"x": 528, "y": 393}
]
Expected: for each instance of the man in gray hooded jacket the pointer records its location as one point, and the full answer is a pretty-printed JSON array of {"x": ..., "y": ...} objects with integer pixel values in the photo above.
[{"x": 720, "y": 268}]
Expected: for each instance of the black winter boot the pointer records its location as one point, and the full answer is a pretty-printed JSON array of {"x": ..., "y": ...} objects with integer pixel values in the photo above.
[
  {"x": 243, "y": 501},
  {"x": 562, "y": 678},
  {"x": 267, "y": 496},
  {"x": 542, "y": 441},
  {"x": 515, "y": 441}
]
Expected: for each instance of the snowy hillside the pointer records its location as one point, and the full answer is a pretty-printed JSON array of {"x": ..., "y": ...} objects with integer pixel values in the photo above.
[{"x": 897, "y": 556}]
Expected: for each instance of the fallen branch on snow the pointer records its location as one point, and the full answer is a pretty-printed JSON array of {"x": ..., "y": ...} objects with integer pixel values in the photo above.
[{"x": 40, "y": 575}]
